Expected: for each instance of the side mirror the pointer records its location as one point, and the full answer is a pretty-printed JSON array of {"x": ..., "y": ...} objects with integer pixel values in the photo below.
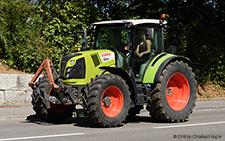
[
  {"x": 82, "y": 40},
  {"x": 172, "y": 49}
]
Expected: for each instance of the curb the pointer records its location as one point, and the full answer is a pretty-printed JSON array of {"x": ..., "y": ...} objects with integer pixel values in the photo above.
[
  {"x": 13, "y": 117},
  {"x": 210, "y": 108},
  {"x": 15, "y": 105},
  {"x": 209, "y": 99},
  {"x": 210, "y": 103}
]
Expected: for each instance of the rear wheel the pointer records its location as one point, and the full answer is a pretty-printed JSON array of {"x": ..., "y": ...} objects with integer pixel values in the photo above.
[
  {"x": 46, "y": 110},
  {"x": 173, "y": 98},
  {"x": 108, "y": 100}
]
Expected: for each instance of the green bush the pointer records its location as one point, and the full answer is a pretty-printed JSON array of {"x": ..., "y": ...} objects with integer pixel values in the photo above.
[
  {"x": 20, "y": 35},
  {"x": 31, "y": 32}
]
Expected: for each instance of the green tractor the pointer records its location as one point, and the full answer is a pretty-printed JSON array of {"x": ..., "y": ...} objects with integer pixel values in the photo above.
[{"x": 125, "y": 70}]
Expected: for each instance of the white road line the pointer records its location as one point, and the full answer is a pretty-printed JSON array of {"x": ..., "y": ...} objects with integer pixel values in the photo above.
[
  {"x": 40, "y": 137},
  {"x": 189, "y": 125}
]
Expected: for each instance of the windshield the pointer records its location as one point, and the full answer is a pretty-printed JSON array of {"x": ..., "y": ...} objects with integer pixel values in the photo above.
[
  {"x": 113, "y": 38},
  {"x": 116, "y": 39}
]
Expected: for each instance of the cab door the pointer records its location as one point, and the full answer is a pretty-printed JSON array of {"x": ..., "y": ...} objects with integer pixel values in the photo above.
[{"x": 147, "y": 44}]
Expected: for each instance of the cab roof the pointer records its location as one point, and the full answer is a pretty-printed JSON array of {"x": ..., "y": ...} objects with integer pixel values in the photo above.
[{"x": 133, "y": 22}]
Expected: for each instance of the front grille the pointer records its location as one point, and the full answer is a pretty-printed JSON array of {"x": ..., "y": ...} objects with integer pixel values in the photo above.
[
  {"x": 77, "y": 71},
  {"x": 62, "y": 68},
  {"x": 64, "y": 61}
]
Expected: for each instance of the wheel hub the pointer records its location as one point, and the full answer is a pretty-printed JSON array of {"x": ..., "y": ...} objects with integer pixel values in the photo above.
[
  {"x": 169, "y": 91},
  {"x": 107, "y": 101}
]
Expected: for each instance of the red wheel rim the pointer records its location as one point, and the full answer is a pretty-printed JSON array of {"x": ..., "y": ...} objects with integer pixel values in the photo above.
[
  {"x": 112, "y": 101},
  {"x": 177, "y": 92}
]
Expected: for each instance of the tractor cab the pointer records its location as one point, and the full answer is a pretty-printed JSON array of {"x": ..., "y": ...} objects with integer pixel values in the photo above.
[{"x": 135, "y": 42}]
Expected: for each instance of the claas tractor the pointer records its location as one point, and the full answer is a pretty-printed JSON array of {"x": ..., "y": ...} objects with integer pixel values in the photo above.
[{"x": 124, "y": 71}]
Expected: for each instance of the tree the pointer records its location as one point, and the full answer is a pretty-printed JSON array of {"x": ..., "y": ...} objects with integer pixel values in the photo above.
[
  {"x": 63, "y": 20},
  {"x": 195, "y": 27},
  {"x": 19, "y": 33}
]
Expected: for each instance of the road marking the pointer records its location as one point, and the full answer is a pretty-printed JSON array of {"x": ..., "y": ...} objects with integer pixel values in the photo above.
[
  {"x": 40, "y": 137},
  {"x": 189, "y": 125}
]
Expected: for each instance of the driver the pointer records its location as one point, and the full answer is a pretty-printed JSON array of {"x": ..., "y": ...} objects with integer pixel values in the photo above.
[
  {"x": 144, "y": 47},
  {"x": 143, "y": 50}
]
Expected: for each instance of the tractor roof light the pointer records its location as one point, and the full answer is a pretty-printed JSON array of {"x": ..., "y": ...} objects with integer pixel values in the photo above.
[
  {"x": 127, "y": 48},
  {"x": 163, "y": 16}
]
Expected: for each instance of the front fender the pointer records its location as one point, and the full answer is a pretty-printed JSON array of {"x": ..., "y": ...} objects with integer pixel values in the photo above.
[{"x": 157, "y": 65}]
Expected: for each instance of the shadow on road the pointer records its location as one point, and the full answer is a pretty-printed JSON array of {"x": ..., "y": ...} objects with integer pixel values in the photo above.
[
  {"x": 35, "y": 119},
  {"x": 138, "y": 119},
  {"x": 85, "y": 122},
  {"x": 77, "y": 121}
]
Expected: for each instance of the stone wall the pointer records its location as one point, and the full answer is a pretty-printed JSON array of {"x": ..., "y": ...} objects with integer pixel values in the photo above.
[{"x": 14, "y": 89}]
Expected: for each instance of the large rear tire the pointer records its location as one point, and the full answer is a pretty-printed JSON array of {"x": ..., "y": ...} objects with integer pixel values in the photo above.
[
  {"x": 45, "y": 110},
  {"x": 173, "y": 98},
  {"x": 108, "y": 100}
]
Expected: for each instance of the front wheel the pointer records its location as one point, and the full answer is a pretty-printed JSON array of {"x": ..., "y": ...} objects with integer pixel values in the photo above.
[
  {"x": 108, "y": 100},
  {"x": 46, "y": 110},
  {"x": 173, "y": 98}
]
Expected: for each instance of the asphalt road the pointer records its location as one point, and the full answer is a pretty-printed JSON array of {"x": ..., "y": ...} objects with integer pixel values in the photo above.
[{"x": 203, "y": 124}]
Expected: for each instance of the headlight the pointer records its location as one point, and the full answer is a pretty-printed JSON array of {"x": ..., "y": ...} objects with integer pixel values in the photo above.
[
  {"x": 72, "y": 62},
  {"x": 68, "y": 70}
]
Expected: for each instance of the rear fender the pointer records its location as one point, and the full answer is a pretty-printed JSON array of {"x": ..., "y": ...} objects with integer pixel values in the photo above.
[{"x": 156, "y": 66}]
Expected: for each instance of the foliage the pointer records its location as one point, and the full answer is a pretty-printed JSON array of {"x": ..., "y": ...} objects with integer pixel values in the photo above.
[
  {"x": 19, "y": 32},
  {"x": 64, "y": 19},
  {"x": 195, "y": 27},
  {"x": 29, "y": 32}
]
